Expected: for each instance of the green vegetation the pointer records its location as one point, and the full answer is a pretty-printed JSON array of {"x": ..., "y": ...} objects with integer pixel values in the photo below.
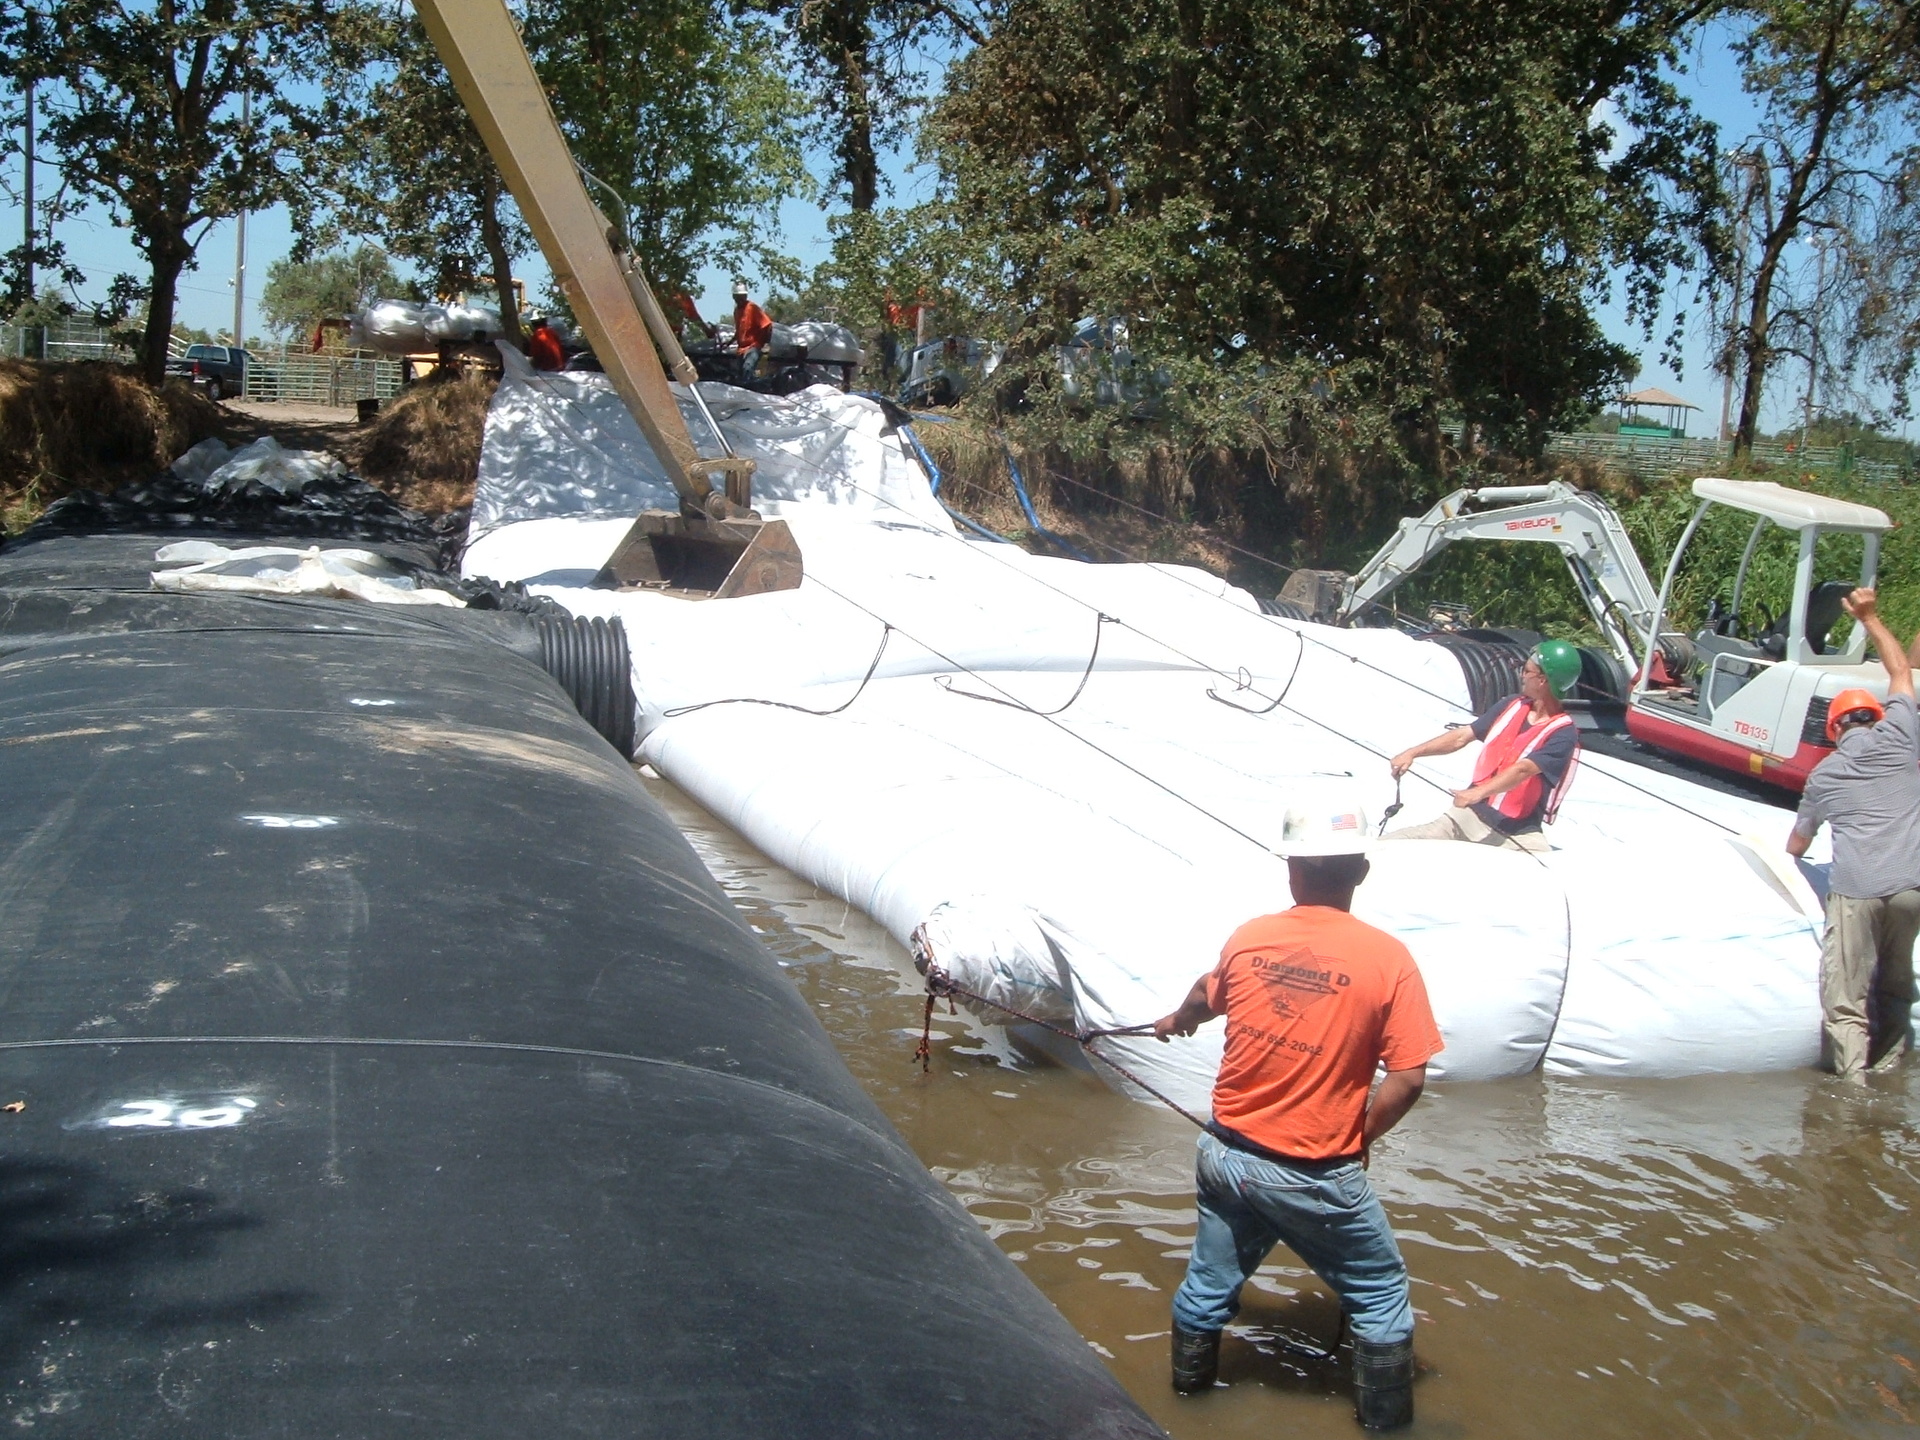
[{"x": 302, "y": 293}]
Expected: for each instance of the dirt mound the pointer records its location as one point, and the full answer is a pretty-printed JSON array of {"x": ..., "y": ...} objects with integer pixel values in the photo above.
[
  {"x": 88, "y": 425},
  {"x": 424, "y": 448}
]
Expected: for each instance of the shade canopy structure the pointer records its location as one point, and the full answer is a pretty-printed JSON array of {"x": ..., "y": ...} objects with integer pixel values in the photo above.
[{"x": 1673, "y": 410}]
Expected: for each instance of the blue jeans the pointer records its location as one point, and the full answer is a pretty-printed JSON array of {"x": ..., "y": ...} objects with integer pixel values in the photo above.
[{"x": 1327, "y": 1214}]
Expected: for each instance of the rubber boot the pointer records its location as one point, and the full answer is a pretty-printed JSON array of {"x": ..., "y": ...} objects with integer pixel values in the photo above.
[
  {"x": 1196, "y": 1359},
  {"x": 1383, "y": 1383}
]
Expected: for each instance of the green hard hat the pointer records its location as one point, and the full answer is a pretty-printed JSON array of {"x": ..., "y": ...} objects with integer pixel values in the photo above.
[{"x": 1560, "y": 663}]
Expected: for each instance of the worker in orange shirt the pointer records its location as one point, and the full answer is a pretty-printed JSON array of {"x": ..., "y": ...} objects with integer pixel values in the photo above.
[
  {"x": 543, "y": 346},
  {"x": 752, "y": 329},
  {"x": 1315, "y": 1002}
]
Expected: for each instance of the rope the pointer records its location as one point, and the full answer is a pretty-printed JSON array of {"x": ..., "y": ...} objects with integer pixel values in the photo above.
[
  {"x": 945, "y": 682},
  {"x": 886, "y": 634},
  {"x": 1018, "y": 704},
  {"x": 941, "y": 986}
]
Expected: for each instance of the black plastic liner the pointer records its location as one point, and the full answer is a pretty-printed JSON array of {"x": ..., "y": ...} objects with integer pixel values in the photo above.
[
  {"x": 588, "y": 657},
  {"x": 339, "y": 507},
  {"x": 392, "y": 1067}
]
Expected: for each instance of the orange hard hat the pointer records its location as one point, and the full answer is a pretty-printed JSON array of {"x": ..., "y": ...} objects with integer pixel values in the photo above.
[{"x": 1845, "y": 703}]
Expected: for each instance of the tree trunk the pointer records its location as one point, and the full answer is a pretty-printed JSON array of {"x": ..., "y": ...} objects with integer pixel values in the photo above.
[
  {"x": 169, "y": 252},
  {"x": 1755, "y": 354},
  {"x": 495, "y": 240},
  {"x": 858, "y": 163}
]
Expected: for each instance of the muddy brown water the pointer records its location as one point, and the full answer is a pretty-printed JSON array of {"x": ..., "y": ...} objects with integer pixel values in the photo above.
[{"x": 1721, "y": 1256}]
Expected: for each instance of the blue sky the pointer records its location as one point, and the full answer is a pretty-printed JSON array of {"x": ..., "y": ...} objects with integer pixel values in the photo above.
[{"x": 1711, "y": 78}]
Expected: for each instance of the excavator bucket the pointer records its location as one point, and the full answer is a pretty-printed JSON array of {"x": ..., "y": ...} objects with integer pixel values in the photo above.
[{"x": 726, "y": 559}]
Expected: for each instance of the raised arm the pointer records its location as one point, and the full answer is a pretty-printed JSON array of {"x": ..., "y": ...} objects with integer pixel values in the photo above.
[
  {"x": 1445, "y": 743},
  {"x": 1864, "y": 606}
]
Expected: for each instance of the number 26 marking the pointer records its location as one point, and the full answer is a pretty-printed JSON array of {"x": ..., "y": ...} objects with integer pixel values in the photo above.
[{"x": 166, "y": 1115}]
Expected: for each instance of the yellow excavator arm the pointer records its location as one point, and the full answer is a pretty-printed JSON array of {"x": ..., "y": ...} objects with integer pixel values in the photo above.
[{"x": 715, "y": 542}]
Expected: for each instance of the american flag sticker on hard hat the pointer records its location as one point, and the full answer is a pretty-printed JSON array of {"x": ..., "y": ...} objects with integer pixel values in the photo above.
[{"x": 1345, "y": 822}]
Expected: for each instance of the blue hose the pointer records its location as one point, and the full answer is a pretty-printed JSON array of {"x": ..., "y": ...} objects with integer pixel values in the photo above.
[
  {"x": 1020, "y": 489},
  {"x": 933, "y": 479}
]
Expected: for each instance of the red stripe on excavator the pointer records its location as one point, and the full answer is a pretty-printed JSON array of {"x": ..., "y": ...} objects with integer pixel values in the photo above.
[{"x": 1683, "y": 739}]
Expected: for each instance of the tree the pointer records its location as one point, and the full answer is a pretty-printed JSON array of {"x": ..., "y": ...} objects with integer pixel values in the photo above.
[
  {"x": 143, "y": 105},
  {"x": 299, "y": 294},
  {"x": 425, "y": 184},
  {"x": 681, "y": 111},
  {"x": 861, "y": 62},
  {"x": 1835, "y": 160},
  {"x": 1406, "y": 209}
]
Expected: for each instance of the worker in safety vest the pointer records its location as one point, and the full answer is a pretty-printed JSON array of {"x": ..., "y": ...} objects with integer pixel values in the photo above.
[
  {"x": 1868, "y": 789},
  {"x": 1315, "y": 1002},
  {"x": 1532, "y": 748},
  {"x": 543, "y": 346},
  {"x": 752, "y": 329}
]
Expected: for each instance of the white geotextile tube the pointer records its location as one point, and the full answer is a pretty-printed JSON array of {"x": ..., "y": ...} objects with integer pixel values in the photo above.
[{"x": 1091, "y": 864}]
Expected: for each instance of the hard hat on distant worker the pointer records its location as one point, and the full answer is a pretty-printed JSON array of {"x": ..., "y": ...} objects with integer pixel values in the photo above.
[
  {"x": 1560, "y": 663},
  {"x": 739, "y": 289},
  {"x": 1327, "y": 820},
  {"x": 1845, "y": 703}
]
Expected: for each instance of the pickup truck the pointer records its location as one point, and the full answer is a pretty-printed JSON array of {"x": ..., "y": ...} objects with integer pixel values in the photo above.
[{"x": 220, "y": 368}]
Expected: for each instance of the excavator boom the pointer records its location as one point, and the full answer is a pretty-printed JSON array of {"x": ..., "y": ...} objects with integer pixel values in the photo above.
[{"x": 715, "y": 532}]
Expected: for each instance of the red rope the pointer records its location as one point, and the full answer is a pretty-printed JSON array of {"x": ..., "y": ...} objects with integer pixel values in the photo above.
[{"x": 941, "y": 985}]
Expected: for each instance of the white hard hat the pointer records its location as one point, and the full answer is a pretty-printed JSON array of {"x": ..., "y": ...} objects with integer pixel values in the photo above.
[{"x": 1324, "y": 820}]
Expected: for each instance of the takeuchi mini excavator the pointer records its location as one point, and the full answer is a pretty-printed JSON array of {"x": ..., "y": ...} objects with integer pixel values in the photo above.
[{"x": 1747, "y": 692}]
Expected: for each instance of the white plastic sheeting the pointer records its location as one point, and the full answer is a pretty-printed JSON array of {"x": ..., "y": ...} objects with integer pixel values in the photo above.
[
  {"x": 561, "y": 445},
  {"x": 402, "y": 327},
  {"x": 1087, "y": 864},
  {"x": 215, "y": 467},
  {"x": 201, "y": 567}
]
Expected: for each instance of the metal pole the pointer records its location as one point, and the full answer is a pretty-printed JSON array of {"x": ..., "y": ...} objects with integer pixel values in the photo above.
[
  {"x": 240, "y": 259},
  {"x": 28, "y": 187}
]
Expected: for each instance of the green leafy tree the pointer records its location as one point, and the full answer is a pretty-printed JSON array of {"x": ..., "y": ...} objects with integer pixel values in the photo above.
[
  {"x": 683, "y": 111},
  {"x": 1338, "y": 218},
  {"x": 861, "y": 64},
  {"x": 424, "y": 183},
  {"x": 299, "y": 294},
  {"x": 142, "y": 104}
]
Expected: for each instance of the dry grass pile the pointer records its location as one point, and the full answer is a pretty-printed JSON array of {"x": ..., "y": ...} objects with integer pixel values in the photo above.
[
  {"x": 424, "y": 448},
  {"x": 88, "y": 425}
]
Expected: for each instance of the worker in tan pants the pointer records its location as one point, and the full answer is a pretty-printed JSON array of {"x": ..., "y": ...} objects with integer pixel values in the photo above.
[{"x": 1868, "y": 789}]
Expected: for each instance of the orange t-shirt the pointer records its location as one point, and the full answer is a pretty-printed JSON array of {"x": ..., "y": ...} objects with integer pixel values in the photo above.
[
  {"x": 1314, "y": 1000},
  {"x": 751, "y": 327}
]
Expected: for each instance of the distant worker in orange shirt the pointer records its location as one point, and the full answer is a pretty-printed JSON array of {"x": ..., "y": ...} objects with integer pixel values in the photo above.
[
  {"x": 752, "y": 329},
  {"x": 543, "y": 346},
  {"x": 1315, "y": 1001}
]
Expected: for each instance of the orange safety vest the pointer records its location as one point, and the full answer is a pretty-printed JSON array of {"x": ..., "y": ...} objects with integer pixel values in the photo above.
[{"x": 1504, "y": 747}]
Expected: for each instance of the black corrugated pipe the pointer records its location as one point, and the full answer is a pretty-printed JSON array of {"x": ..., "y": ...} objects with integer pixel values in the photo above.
[
  {"x": 590, "y": 660},
  {"x": 1491, "y": 667}
]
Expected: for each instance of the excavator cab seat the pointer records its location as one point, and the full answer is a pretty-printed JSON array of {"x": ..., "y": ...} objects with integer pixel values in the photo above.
[{"x": 1824, "y": 609}]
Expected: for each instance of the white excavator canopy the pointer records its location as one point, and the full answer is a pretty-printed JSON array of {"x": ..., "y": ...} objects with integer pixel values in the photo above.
[{"x": 1792, "y": 509}]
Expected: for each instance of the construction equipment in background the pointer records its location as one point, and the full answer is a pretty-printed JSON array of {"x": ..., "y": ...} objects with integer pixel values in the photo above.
[
  {"x": 1744, "y": 693},
  {"x": 715, "y": 542}
]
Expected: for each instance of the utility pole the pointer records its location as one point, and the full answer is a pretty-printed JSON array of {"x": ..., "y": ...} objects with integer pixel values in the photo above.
[
  {"x": 28, "y": 189},
  {"x": 240, "y": 256}
]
